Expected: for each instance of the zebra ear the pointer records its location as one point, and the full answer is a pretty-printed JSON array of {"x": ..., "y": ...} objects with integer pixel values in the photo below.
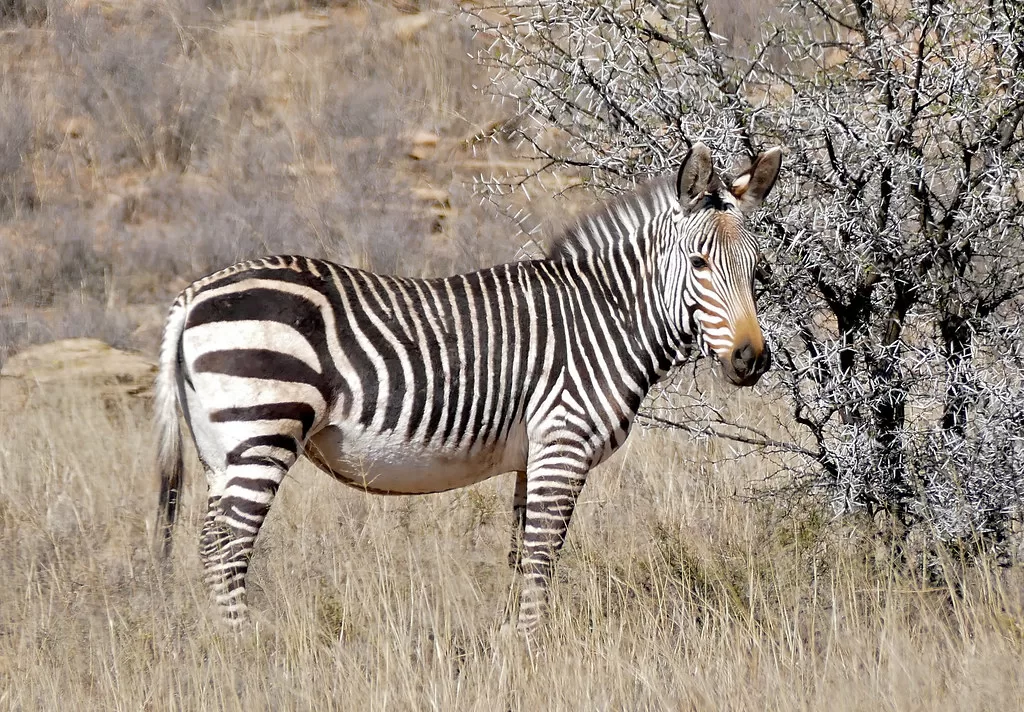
[
  {"x": 753, "y": 186},
  {"x": 694, "y": 175}
]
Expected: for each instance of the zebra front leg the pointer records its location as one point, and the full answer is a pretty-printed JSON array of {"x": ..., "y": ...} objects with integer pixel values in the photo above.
[
  {"x": 551, "y": 495},
  {"x": 238, "y": 505},
  {"x": 515, "y": 551}
]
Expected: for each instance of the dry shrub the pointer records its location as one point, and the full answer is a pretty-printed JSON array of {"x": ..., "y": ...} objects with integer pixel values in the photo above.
[
  {"x": 141, "y": 83},
  {"x": 29, "y": 12},
  {"x": 894, "y": 311},
  {"x": 58, "y": 255},
  {"x": 17, "y": 191},
  {"x": 74, "y": 317}
]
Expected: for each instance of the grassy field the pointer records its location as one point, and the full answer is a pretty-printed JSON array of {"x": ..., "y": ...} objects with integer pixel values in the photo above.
[
  {"x": 143, "y": 144},
  {"x": 673, "y": 593}
]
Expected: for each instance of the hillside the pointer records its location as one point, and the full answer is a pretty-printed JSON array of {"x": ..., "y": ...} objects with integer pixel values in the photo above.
[{"x": 143, "y": 145}]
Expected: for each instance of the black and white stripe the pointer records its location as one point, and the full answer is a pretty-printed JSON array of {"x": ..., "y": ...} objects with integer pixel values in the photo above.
[{"x": 404, "y": 386}]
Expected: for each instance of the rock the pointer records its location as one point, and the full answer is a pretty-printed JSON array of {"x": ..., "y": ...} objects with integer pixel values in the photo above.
[
  {"x": 48, "y": 370},
  {"x": 434, "y": 196},
  {"x": 282, "y": 28},
  {"x": 423, "y": 144},
  {"x": 406, "y": 27},
  {"x": 76, "y": 126}
]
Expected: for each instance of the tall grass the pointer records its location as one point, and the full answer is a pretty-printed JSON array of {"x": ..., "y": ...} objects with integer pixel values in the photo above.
[{"x": 673, "y": 592}]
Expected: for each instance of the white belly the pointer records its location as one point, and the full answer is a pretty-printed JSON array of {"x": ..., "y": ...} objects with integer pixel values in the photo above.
[{"x": 387, "y": 464}]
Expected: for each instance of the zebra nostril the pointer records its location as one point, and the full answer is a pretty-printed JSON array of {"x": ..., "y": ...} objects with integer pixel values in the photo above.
[{"x": 744, "y": 359}]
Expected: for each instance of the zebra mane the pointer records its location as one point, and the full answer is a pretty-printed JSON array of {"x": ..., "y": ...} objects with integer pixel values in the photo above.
[{"x": 602, "y": 227}]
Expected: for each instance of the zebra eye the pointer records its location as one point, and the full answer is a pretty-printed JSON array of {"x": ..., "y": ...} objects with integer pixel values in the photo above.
[{"x": 698, "y": 261}]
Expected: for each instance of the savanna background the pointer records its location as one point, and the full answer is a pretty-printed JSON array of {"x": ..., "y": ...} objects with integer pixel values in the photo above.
[{"x": 144, "y": 144}]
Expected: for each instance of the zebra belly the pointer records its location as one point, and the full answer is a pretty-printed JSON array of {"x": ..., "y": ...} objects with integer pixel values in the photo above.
[{"x": 389, "y": 464}]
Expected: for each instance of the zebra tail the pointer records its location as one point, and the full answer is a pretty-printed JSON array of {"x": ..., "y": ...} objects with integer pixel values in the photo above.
[{"x": 170, "y": 465}]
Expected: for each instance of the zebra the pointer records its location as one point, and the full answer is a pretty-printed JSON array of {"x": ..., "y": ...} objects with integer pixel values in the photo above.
[{"x": 411, "y": 386}]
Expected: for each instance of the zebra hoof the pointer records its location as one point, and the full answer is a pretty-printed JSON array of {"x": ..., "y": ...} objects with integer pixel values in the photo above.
[
  {"x": 514, "y": 633},
  {"x": 507, "y": 631},
  {"x": 253, "y": 625},
  {"x": 512, "y": 644},
  {"x": 236, "y": 625},
  {"x": 261, "y": 627}
]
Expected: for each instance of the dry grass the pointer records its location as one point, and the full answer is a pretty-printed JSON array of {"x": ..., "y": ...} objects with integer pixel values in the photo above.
[{"x": 673, "y": 593}]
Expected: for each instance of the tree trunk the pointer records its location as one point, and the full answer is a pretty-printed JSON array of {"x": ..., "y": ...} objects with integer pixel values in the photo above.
[{"x": 956, "y": 339}]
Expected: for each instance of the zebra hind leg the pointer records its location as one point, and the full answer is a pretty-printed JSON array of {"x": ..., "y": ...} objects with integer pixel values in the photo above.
[
  {"x": 238, "y": 504},
  {"x": 213, "y": 540}
]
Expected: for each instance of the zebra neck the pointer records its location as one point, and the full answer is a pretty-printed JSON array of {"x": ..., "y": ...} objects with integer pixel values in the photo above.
[{"x": 627, "y": 280}]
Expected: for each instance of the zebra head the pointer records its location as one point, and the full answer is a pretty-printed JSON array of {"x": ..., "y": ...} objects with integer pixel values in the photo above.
[{"x": 718, "y": 258}]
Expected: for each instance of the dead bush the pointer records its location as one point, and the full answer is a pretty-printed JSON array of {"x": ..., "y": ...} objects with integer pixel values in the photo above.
[
  {"x": 16, "y": 186},
  {"x": 30, "y": 12},
  {"x": 143, "y": 84}
]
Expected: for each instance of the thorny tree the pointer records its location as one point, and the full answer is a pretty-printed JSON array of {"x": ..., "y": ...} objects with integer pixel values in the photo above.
[{"x": 897, "y": 244}]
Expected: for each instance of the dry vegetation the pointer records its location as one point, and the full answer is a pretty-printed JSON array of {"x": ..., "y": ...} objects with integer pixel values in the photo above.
[
  {"x": 673, "y": 593},
  {"x": 145, "y": 144},
  {"x": 142, "y": 144}
]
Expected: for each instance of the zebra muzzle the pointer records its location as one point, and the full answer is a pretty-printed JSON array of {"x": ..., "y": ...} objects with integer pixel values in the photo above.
[{"x": 747, "y": 363}]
